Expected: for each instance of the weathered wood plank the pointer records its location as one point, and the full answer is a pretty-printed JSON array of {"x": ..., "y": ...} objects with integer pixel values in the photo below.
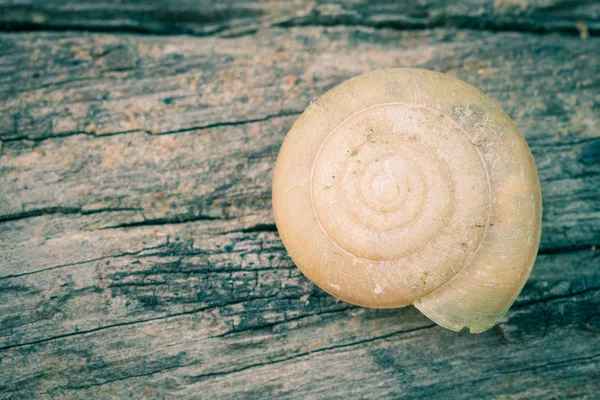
[
  {"x": 233, "y": 17},
  {"x": 199, "y": 173},
  {"x": 254, "y": 346},
  {"x": 138, "y": 255}
]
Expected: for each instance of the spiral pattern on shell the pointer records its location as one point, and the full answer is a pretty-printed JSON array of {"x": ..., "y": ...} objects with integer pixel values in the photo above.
[{"x": 407, "y": 186}]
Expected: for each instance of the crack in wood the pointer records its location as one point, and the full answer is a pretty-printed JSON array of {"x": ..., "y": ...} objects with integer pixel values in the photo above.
[
  {"x": 567, "y": 249},
  {"x": 350, "y": 18},
  {"x": 181, "y": 219},
  {"x": 257, "y": 365},
  {"x": 551, "y": 364},
  {"x": 126, "y": 254},
  {"x": 544, "y": 300},
  {"x": 233, "y": 331},
  {"x": 164, "y": 317},
  {"x": 53, "y": 211},
  {"x": 161, "y": 133}
]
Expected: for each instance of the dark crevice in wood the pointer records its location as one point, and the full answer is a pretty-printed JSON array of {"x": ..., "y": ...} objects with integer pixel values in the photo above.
[
  {"x": 474, "y": 24},
  {"x": 308, "y": 353},
  {"x": 157, "y": 371},
  {"x": 569, "y": 249},
  {"x": 204, "y": 309},
  {"x": 68, "y": 134},
  {"x": 551, "y": 364},
  {"x": 193, "y": 128},
  {"x": 491, "y": 24},
  {"x": 142, "y": 321},
  {"x": 227, "y": 272},
  {"x": 101, "y": 328},
  {"x": 57, "y": 211},
  {"x": 500, "y": 334},
  {"x": 553, "y": 298},
  {"x": 271, "y": 325},
  {"x": 539, "y": 143},
  {"x": 107, "y": 28},
  {"x": 258, "y": 228},
  {"x": 234, "y": 123},
  {"x": 12, "y": 276},
  {"x": 48, "y": 85},
  {"x": 135, "y": 253},
  {"x": 182, "y": 219},
  {"x": 257, "y": 365},
  {"x": 179, "y": 253}
]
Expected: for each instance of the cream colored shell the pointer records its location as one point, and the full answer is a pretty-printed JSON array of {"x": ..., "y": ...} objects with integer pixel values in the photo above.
[{"x": 406, "y": 186}]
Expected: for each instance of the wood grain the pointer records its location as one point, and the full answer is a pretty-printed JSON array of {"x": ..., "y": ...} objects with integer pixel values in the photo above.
[
  {"x": 138, "y": 252},
  {"x": 235, "y": 17}
]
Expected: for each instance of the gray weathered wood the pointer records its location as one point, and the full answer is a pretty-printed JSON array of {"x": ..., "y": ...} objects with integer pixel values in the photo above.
[
  {"x": 234, "y": 17},
  {"x": 139, "y": 256}
]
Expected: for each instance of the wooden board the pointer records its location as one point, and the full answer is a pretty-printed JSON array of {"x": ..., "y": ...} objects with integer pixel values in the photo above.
[
  {"x": 138, "y": 252},
  {"x": 240, "y": 17}
]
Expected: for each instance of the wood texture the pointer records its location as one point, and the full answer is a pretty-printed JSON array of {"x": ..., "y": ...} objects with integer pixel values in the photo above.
[
  {"x": 235, "y": 17},
  {"x": 138, "y": 253}
]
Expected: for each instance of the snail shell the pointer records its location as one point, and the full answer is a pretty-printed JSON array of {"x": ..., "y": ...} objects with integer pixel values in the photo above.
[{"x": 406, "y": 186}]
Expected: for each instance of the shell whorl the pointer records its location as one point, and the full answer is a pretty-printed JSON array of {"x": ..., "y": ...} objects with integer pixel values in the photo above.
[{"x": 406, "y": 186}]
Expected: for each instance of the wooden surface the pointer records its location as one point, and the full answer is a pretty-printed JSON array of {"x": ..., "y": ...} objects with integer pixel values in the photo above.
[{"x": 138, "y": 252}]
